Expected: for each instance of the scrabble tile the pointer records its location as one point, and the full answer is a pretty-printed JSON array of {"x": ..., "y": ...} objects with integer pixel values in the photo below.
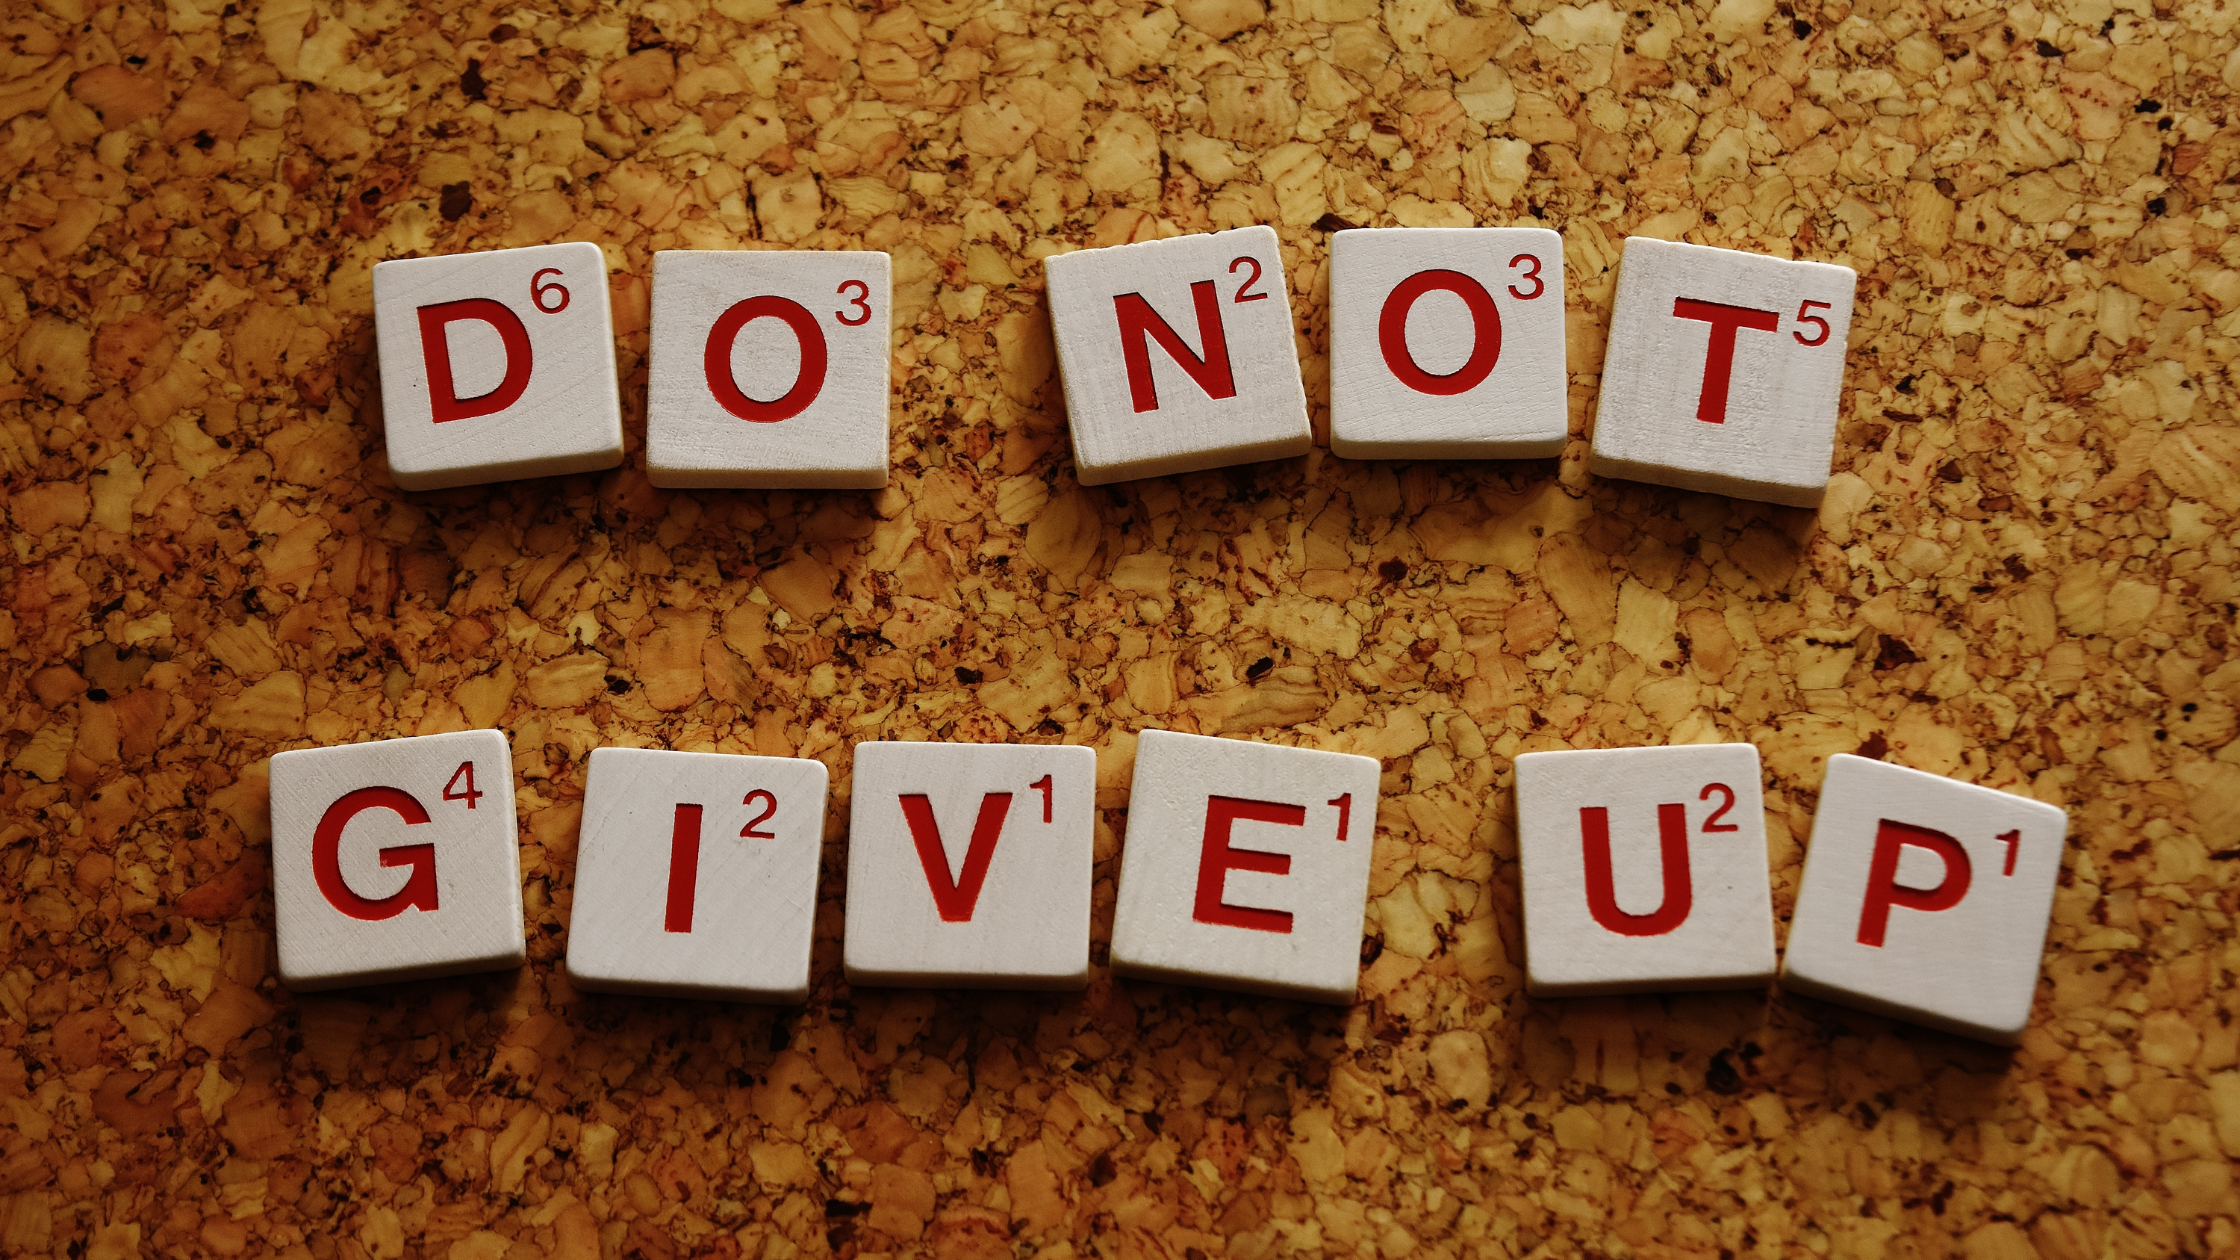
[
  {"x": 497, "y": 366},
  {"x": 1246, "y": 866},
  {"x": 1177, "y": 355},
  {"x": 968, "y": 865},
  {"x": 769, "y": 368},
  {"x": 1447, "y": 343},
  {"x": 395, "y": 860},
  {"x": 1925, "y": 898},
  {"x": 696, "y": 874},
  {"x": 1644, "y": 869},
  {"x": 1723, "y": 372}
]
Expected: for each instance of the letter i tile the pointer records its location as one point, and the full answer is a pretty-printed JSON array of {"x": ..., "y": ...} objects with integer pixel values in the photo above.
[
  {"x": 1644, "y": 869},
  {"x": 969, "y": 865},
  {"x": 769, "y": 368},
  {"x": 1925, "y": 898},
  {"x": 395, "y": 860},
  {"x": 1724, "y": 372},
  {"x": 1246, "y": 867},
  {"x": 497, "y": 365},
  {"x": 697, "y": 874},
  {"x": 1177, "y": 355}
]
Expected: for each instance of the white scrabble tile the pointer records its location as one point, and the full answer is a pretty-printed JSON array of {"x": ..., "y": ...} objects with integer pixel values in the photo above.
[
  {"x": 497, "y": 365},
  {"x": 1447, "y": 343},
  {"x": 769, "y": 368},
  {"x": 1925, "y": 898},
  {"x": 696, "y": 874},
  {"x": 968, "y": 865},
  {"x": 1246, "y": 866},
  {"x": 1177, "y": 355},
  {"x": 1644, "y": 869},
  {"x": 395, "y": 859},
  {"x": 1724, "y": 372}
]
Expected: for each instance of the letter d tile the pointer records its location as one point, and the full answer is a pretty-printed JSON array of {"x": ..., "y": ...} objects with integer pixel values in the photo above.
[
  {"x": 497, "y": 365},
  {"x": 395, "y": 860}
]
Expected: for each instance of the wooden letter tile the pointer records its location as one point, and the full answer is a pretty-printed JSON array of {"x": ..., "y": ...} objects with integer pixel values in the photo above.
[
  {"x": 968, "y": 865},
  {"x": 497, "y": 365},
  {"x": 1177, "y": 355},
  {"x": 396, "y": 859},
  {"x": 1447, "y": 343},
  {"x": 1925, "y": 898},
  {"x": 1644, "y": 869},
  {"x": 697, "y": 874},
  {"x": 1723, "y": 372},
  {"x": 769, "y": 368},
  {"x": 1246, "y": 867}
]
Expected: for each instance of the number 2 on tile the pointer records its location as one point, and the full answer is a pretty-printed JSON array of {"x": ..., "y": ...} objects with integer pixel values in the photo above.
[
  {"x": 1712, "y": 823},
  {"x": 769, "y": 807}
]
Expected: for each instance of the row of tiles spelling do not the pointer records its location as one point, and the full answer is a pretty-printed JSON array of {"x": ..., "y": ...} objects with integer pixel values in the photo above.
[
  {"x": 770, "y": 369},
  {"x": 1246, "y": 866}
]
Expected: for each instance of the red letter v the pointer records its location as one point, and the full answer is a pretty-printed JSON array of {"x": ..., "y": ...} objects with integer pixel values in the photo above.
[{"x": 955, "y": 898}]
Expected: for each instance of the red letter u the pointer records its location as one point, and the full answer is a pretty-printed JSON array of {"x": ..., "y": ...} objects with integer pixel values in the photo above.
[{"x": 1679, "y": 890}]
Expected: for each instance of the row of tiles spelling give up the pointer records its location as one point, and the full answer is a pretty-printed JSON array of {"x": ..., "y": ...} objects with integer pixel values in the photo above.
[
  {"x": 770, "y": 368},
  {"x": 1245, "y": 866}
]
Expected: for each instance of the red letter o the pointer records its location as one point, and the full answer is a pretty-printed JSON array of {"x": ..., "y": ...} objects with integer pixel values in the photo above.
[
  {"x": 1392, "y": 333},
  {"x": 807, "y": 383}
]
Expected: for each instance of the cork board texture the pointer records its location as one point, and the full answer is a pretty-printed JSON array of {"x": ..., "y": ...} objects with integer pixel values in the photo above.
[{"x": 2023, "y": 576}]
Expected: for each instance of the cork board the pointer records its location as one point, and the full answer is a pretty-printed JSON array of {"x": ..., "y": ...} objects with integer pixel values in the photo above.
[{"x": 2024, "y": 576}]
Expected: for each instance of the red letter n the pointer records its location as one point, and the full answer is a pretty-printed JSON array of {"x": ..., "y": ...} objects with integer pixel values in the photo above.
[
  {"x": 1138, "y": 321},
  {"x": 1884, "y": 890},
  {"x": 1718, "y": 362},
  {"x": 955, "y": 898},
  {"x": 1217, "y": 859}
]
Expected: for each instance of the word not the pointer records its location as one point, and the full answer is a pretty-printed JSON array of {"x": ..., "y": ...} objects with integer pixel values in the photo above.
[
  {"x": 497, "y": 365},
  {"x": 1644, "y": 869}
]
